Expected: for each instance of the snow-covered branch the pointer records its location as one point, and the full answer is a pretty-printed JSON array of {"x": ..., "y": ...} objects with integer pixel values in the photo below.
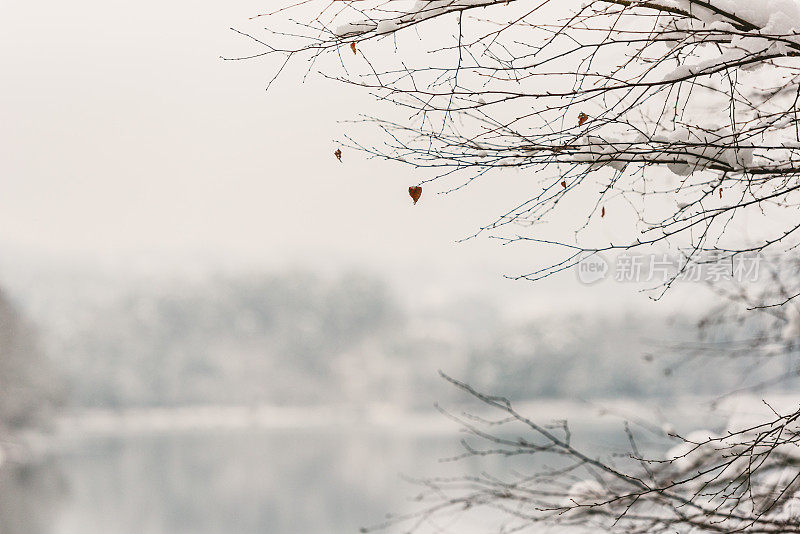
[{"x": 601, "y": 96}]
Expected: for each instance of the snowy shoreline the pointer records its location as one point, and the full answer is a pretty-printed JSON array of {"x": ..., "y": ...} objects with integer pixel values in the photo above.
[{"x": 374, "y": 417}]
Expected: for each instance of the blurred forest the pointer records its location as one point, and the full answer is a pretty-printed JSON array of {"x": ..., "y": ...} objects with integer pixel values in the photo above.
[
  {"x": 303, "y": 339},
  {"x": 29, "y": 388}
]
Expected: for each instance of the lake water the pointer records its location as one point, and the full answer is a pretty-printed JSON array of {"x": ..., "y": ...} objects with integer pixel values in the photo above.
[{"x": 162, "y": 478}]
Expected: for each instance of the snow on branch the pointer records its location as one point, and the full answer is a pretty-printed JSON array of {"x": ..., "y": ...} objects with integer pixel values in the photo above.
[
  {"x": 608, "y": 97},
  {"x": 743, "y": 479},
  {"x": 676, "y": 118}
]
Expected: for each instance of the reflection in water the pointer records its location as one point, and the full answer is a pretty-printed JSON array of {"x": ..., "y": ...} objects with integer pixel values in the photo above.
[
  {"x": 241, "y": 483},
  {"x": 234, "y": 482}
]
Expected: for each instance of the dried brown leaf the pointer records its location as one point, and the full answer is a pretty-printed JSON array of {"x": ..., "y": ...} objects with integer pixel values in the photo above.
[{"x": 416, "y": 192}]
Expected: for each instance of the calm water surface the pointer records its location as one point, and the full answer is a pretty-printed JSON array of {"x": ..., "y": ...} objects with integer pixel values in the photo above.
[{"x": 240, "y": 481}]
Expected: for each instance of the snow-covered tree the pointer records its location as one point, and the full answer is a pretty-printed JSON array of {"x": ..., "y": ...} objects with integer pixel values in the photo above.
[
  {"x": 676, "y": 117},
  {"x": 27, "y": 386}
]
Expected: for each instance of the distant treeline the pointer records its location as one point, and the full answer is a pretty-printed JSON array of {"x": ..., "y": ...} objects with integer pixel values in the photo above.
[
  {"x": 29, "y": 385},
  {"x": 301, "y": 339}
]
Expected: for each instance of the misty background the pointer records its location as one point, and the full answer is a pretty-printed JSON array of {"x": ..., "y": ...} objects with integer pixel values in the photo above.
[{"x": 173, "y": 239}]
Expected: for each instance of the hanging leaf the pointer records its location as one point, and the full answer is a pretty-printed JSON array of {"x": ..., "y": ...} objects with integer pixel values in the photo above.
[
  {"x": 582, "y": 117},
  {"x": 415, "y": 191},
  {"x": 338, "y": 154},
  {"x": 603, "y": 212},
  {"x": 353, "y": 47},
  {"x": 564, "y": 184},
  {"x": 720, "y": 192}
]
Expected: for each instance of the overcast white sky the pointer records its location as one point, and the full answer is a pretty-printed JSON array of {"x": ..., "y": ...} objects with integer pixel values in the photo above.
[{"x": 125, "y": 140}]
